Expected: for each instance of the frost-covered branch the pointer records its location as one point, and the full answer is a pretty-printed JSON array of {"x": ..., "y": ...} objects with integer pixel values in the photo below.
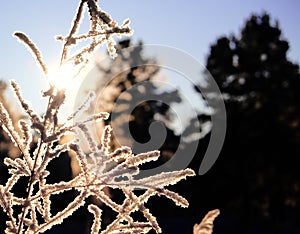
[{"x": 100, "y": 168}]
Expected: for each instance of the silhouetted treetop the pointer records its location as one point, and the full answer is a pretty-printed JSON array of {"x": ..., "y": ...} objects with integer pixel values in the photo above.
[
  {"x": 129, "y": 78},
  {"x": 254, "y": 73},
  {"x": 257, "y": 172}
]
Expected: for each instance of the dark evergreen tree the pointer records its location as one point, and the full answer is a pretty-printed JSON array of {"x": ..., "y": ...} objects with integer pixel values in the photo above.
[
  {"x": 257, "y": 172},
  {"x": 130, "y": 78}
]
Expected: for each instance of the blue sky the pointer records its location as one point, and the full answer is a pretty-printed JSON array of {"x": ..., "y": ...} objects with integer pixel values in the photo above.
[{"x": 191, "y": 26}]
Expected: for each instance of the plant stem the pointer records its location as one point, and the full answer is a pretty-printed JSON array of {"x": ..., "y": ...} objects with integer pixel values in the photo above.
[{"x": 31, "y": 180}]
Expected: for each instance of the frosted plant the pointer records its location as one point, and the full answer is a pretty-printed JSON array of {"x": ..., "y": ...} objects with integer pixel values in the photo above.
[
  {"x": 206, "y": 224},
  {"x": 99, "y": 169}
]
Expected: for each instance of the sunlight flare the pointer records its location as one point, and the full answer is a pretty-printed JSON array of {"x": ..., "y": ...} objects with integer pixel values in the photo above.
[
  {"x": 69, "y": 78},
  {"x": 63, "y": 76}
]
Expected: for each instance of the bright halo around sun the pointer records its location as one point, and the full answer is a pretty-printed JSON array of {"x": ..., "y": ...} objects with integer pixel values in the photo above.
[
  {"x": 62, "y": 77},
  {"x": 68, "y": 78}
]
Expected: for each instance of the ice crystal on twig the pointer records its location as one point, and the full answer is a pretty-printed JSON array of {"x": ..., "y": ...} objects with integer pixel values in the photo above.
[{"x": 33, "y": 48}]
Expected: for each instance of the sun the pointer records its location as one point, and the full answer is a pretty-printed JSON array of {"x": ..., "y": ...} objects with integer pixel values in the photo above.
[
  {"x": 68, "y": 79},
  {"x": 62, "y": 77}
]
